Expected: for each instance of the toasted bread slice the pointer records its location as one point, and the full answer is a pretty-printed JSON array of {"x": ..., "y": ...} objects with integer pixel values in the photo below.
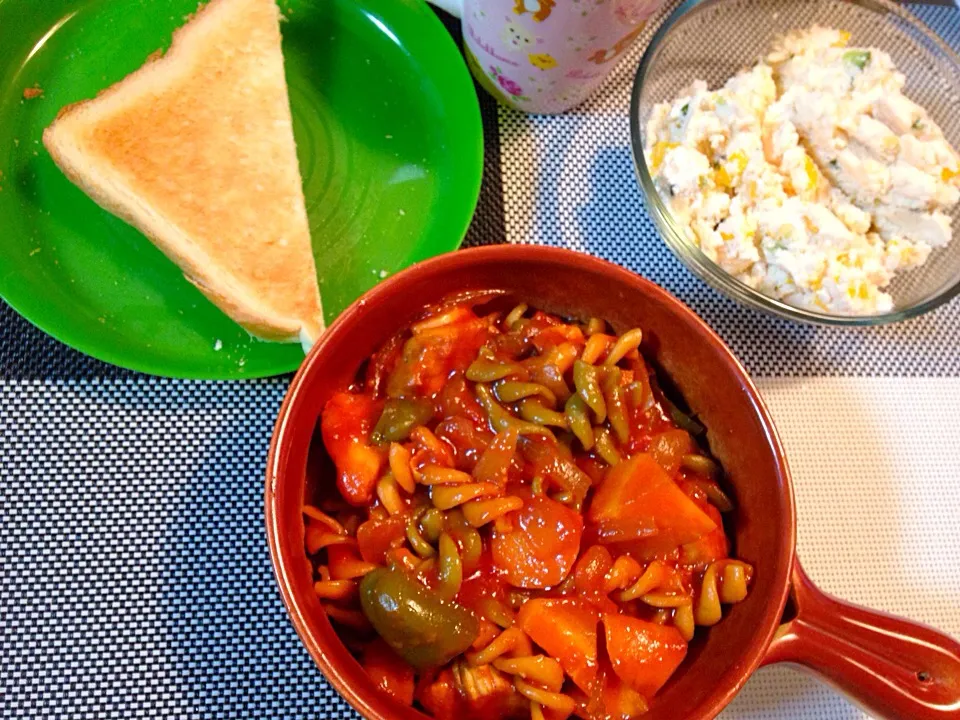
[{"x": 196, "y": 150}]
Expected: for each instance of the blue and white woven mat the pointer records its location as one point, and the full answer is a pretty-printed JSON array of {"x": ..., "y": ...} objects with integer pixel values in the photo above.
[{"x": 134, "y": 574}]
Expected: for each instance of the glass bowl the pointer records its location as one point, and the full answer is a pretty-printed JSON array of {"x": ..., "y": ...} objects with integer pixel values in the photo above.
[{"x": 712, "y": 40}]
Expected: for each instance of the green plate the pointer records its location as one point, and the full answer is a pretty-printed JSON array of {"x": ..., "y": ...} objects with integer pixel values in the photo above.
[{"x": 391, "y": 152}]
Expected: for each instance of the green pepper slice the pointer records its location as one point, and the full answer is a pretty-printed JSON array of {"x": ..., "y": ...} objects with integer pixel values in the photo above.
[
  {"x": 421, "y": 628},
  {"x": 398, "y": 419}
]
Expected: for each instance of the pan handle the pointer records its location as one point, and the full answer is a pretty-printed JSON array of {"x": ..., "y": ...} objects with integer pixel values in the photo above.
[{"x": 894, "y": 668}]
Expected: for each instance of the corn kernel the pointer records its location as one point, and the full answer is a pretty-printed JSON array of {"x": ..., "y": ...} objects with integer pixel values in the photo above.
[
  {"x": 721, "y": 178},
  {"x": 659, "y": 152},
  {"x": 740, "y": 158},
  {"x": 811, "y": 170},
  {"x": 844, "y": 39}
]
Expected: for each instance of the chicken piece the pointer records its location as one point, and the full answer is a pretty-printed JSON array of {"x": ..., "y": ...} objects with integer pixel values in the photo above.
[
  {"x": 931, "y": 156},
  {"x": 863, "y": 178},
  {"x": 877, "y": 138},
  {"x": 916, "y": 190},
  {"x": 821, "y": 221},
  {"x": 932, "y": 229},
  {"x": 897, "y": 112}
]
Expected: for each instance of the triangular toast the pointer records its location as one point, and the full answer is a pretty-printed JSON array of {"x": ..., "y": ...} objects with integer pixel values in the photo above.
[{"x": 196, "y": 150}]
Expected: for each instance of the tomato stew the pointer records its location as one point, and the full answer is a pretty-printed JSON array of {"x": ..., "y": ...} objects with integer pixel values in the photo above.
[{"x": 525, "y": 525}]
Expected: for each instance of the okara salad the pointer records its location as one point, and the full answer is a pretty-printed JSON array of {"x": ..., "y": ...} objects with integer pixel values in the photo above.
[{"x": 810, "y": 177}]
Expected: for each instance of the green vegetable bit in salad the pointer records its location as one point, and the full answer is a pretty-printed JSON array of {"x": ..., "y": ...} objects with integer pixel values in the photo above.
[{"x": 859, "y": 58}]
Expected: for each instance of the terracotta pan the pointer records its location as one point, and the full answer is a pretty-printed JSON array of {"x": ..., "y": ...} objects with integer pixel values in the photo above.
[{"x": 891, "y": 667}]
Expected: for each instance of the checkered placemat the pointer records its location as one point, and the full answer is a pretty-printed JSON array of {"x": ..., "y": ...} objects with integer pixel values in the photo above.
[{"x": 134, "y": 575}]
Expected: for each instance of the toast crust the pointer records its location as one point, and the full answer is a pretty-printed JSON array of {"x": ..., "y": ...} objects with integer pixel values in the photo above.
[{"x": 196, "y": 150}]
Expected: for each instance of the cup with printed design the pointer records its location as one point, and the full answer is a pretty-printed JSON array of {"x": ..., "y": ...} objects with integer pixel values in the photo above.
[{"x": 541, "y": 56}]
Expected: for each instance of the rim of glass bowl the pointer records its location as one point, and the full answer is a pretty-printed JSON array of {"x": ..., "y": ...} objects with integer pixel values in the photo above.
[{"x": 694, "y": 258}]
